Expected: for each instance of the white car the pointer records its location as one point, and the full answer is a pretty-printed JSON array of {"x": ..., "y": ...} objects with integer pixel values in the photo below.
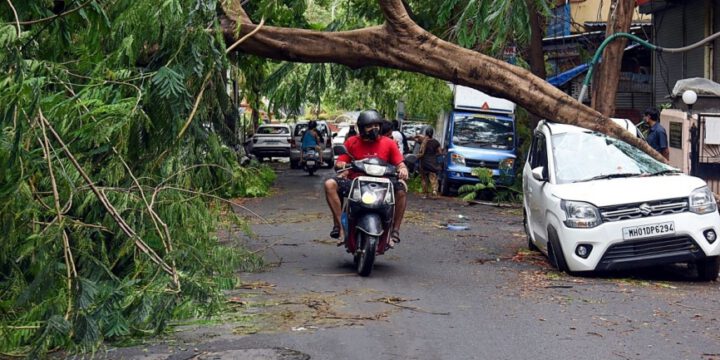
[{"x": 595, "y": 203}]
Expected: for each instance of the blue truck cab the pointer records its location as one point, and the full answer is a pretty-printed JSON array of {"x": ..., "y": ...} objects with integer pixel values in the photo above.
[{"x": 478, "y": 133}]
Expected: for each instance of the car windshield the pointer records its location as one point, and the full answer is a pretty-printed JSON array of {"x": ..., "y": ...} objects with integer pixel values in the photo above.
[
  {"x": 483, "y": 132},
  {"x": 590, "y": 155},
  {"x": 273, "y": 130}
]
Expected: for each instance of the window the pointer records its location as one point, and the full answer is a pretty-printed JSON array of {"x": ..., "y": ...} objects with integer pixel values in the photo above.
[
  {"x": 273, "y": 130},
  {"x": 484, "y": 132}
]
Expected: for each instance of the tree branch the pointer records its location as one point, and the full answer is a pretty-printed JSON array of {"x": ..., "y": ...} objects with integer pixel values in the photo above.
[{"x": 401, "y": 44}]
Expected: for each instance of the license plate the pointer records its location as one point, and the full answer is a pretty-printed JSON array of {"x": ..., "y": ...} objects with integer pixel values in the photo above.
[
  {"x": 650, "y": 230},
  {"x": 311, "y": 162},
  {"x": 373, "y": 179}
]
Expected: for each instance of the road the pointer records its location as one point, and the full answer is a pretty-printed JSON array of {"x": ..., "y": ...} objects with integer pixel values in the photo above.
[{"x": 441, "y": 294}]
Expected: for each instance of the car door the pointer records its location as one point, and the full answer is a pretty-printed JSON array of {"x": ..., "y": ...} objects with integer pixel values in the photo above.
[{"x": 534, "y": 189}]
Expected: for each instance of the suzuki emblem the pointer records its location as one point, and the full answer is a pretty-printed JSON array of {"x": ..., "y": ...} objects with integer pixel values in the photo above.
[{"x": 645, "y": 209}]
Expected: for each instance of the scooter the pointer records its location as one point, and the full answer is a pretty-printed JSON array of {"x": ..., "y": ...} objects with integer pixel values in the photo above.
[
  {"x": 368, "y": 210},
  {"x": 310, "y": 160}
]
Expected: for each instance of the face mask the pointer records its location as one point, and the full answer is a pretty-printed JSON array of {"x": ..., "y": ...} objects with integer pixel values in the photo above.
[{"x": 373, "y": 134}]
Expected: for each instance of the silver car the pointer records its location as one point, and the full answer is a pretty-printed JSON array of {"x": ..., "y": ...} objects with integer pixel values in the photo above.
[
  {"x": 299, "y": 131},
  {"x": 271, "y": 140}
]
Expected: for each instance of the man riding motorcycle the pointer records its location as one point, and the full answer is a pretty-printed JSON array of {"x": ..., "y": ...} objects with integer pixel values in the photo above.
[{"x": 369, "y": 143}]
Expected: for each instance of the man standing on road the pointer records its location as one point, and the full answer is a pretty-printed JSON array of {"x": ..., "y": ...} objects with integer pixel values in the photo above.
[
  {"x": 369, "y": 143},
  {"x": 657, "y": 136}
]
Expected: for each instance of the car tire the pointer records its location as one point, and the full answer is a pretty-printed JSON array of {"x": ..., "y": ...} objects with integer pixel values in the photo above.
[
  {"x": 294, "y": 164},
  {"x": 526, "y": 226},
  {"x": 444, "y": 185},
  {"x": 708, "y": 268},
  {"x": 555, "y": 253}
]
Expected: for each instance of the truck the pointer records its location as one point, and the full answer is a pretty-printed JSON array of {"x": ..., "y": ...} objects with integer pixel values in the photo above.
[{"x": 479, "y": 132}]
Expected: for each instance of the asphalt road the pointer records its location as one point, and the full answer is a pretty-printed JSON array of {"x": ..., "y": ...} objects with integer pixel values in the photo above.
[{"x": 441, "y": 294}]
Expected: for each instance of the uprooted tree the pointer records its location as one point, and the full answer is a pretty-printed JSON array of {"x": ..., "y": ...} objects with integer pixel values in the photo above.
[{"x": 401, "y": 44}]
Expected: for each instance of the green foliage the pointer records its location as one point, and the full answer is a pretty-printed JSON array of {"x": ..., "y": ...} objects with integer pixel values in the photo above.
[
  {"x": 487, "y": 185},
  {"x": 117, "y": 82}
]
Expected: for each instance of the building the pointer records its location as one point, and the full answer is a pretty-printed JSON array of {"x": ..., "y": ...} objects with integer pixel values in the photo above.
[
  {"x": 678, "y": 24},
  {"x": 574, "y": 33}
]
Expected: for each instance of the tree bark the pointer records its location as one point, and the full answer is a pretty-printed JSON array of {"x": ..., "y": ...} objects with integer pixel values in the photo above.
[
  {"x": 605, "y": 80},
  {"x": 401, "y": 44},
  {"x": 536, "y": 57}
]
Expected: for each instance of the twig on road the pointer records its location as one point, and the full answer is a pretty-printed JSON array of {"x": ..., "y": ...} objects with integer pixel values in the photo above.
[{"x": 394, "y": 302}]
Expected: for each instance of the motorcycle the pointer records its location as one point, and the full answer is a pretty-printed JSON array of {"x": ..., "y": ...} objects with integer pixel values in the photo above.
[
  {"x": 368, "y": 210},
  {"x": 310, "y": 160}
]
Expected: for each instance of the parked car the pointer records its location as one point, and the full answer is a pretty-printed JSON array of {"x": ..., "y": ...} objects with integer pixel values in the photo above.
[
  {"x": 592, "y": 202},
  {"x": 299, "y": 131},
  {"x": 410, "y": 129},
  {"x": 341, "y": 134},
  {"x": 271, "y": 140}
]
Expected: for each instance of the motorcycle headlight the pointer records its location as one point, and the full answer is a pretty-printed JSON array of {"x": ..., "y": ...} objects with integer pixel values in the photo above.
[
  {"x": 369, "y": 197},
  {"x": 702, "y": 201},
  {"x": 457, "y": 159},
  {"x": 375, "y": 170},
  {"x": 580, "y": 214}
]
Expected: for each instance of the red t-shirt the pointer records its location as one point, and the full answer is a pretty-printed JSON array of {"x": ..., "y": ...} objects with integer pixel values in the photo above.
[{"x": 383, "y": 148}]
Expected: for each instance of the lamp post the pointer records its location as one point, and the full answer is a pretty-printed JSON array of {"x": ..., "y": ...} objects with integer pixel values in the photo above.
[{"x": 689, "y": 97}]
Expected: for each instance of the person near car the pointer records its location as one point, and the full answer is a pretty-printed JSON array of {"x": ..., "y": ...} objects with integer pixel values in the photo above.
[
  {"x": 429, "y": 165},
  {"x": 369, "y": 143},
  {"x": 657, "y": 136},
  {"x": 311, "y": 138},
  {"x": 351, "y": 132},
  {"x": 397, "y": 134}
]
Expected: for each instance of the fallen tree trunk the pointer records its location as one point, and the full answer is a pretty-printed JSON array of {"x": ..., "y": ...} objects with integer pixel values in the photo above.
[{"x": 401, "y": 44}]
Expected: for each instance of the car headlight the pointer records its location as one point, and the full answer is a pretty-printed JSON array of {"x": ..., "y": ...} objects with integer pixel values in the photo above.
[
  {"x": 457, "y": 159},
  {"x": 580, "y": 214},
  {"x": 702, "y": 201}
]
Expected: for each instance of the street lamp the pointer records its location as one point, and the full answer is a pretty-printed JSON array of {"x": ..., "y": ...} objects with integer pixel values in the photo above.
[{"x": 689, "y": 97}]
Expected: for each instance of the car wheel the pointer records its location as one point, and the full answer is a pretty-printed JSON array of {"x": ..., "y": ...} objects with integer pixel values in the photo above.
[
  {"x": 708, "y": 268},
  {"x": 526, "y": 226},
  {"x": 444, "y": 185},
  {"x": 555, "y": 253},
  {"x": 294, "y": 164}
]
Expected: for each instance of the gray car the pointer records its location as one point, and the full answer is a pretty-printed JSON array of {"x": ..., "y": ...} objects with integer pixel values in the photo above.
[
  {"x": 299, "y": 131},
  {"x": 271, "y": 140}
]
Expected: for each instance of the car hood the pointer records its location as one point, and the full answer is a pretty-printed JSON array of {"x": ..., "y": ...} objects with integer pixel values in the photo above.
[{"x": 629, "y": 190}]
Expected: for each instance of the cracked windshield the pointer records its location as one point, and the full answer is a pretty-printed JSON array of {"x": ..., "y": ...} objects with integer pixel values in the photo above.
[
  {"x": 602, "y": 156},
  {"x": 483, "y": 132}
]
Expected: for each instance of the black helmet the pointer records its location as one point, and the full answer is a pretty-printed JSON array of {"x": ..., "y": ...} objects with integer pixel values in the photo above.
[
  {"x": 368, "y": 117},
  {"x": 312, "y": 124}
]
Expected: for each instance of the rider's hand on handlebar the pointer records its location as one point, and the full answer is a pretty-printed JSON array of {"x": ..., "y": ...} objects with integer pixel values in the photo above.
[{"x": 403, "y": 173}]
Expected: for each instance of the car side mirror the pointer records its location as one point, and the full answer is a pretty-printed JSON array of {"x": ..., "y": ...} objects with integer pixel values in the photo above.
[
  {"x": 334, "y": 134},
  {"x": 538, "y": 173}
]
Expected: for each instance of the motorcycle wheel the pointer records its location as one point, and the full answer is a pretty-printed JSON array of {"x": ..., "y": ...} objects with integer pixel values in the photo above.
[
  {"x": 367, "y": 244},
  {"x": 311, "y": 172}
]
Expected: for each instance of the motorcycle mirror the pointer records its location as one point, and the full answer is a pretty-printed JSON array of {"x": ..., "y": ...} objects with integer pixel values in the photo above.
[{"x": 339, "y": 150}]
